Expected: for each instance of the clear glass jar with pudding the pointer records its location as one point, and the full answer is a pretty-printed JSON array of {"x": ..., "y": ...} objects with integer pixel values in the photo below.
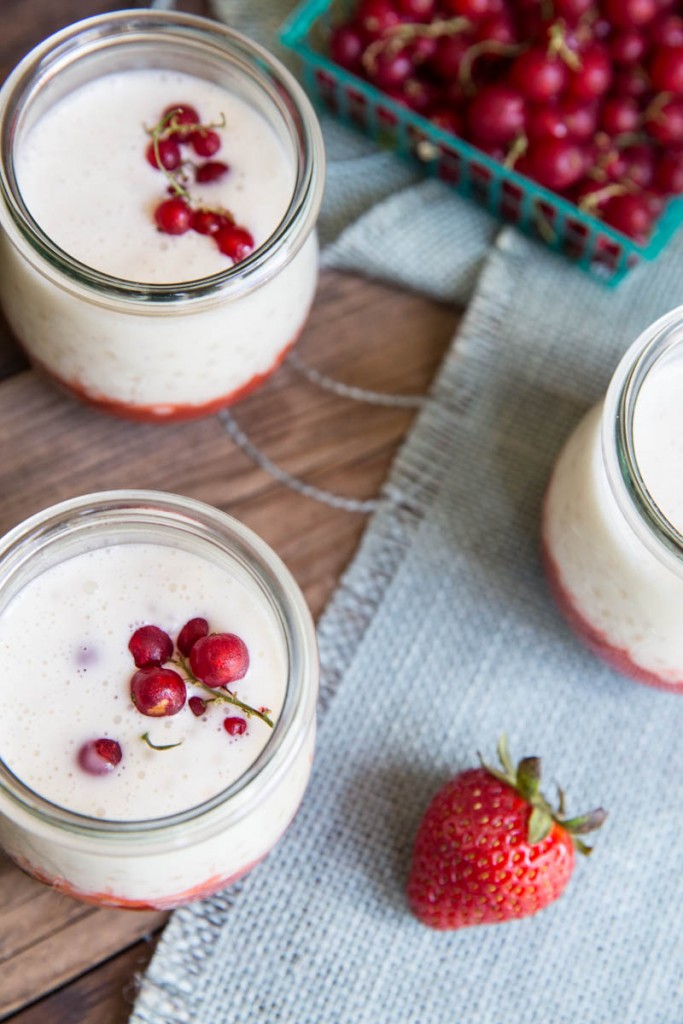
[
  {"x": 138, "y": 321},
  {"x": 105, "y": 795},
  {"x": 613, "y": 515}
]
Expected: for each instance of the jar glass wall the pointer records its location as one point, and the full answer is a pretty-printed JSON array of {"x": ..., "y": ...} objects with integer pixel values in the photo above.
[
  {"x": 613, "y": 515},
  {"x": 146, "y": 349},
  {"x": 135, "y": 853}
]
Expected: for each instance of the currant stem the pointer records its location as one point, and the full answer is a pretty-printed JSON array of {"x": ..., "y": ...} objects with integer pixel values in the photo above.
[
  {"x": 486, "y": 46},
  {"x": 221, "y": 694},
  {"x": 225, "y": 697},
  {"x": 165, "y": 128},
  {"x": 395, "y": 38},
  {"x": 155, "y": 746}
]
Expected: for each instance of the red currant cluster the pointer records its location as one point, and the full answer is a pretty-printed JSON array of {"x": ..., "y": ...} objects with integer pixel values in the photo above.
[
  {"x": 180, "y": 126},
  {"x": 209, "y": 661},
  {"x": 583, "y": 96}
]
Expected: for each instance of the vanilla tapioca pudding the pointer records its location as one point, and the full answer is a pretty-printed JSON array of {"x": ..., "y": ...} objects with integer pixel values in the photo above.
[
  {"x": 152, "y": 715},
  {"x": 613, "y": 515},
  {"x": 85, "y": 176},
  {"x": 68, "y": 632},
  {"x": 161, "y": 181}
]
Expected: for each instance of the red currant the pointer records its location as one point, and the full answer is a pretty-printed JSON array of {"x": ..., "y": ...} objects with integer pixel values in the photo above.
[
  {"x": 546, "y": 122},
  {"x": 631, "y": 214},
  {"x": 212, "y": 170},
  {"x": 631, "y": 81},
  {"x": 666, "y": 69},
  {"x": 595, "y": 74},
  {"x": 205, "y": 142},
  {"x": 667, "y": 31},
  {"x": 391, "y": 69},
  {"x": 474, "y": 10},
  {"x": 173, "y": 216},
  {"x": 419, "y": 95},
  {"x": 448, "y": 56},
  {"x": 206, "y": 222},
  {"x": 219, "y": 659},
  {"x": 191, "y": 632},
  {"x": 498, "y": 27},
  {"x": 417, "y": 10},
  {"x": 629, "y": 13},
  {"x": 99, "y": 757},
  {"x": 669, "y": 172},
  {"x": 627, "y": 46},
  {"x": 447, "y": 119},
  {"x": 639, "y": 164},
  {"x": 421, "y": 49},
  {"x": 580, "y": 117},
  {"x": 165, "y": 156},
  {"x": 539, "y": 76},
  {"x": 235, "y": 726},
  {"x": 619, "y": 114},
  {"x": 496, "y": 115},
  {"x": 197, "y": 706},
  {"x": 235, "y": 242},
  {"x": 556, "y": 163},
  {"x": 346, "y": 47},
  {"x": 571, "y": 10},
  {"x": 665, "y": 123},
  {"x": 158, "y": 692},
  {"x": 150, "y": 645},
  {"x": 376, "y": 16},
  {"x": 183, "y": 115}
]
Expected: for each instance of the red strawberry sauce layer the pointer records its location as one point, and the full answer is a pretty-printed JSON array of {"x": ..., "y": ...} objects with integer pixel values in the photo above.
[
  {"x": 594, "y": 639},
  {"x": 164, "y": 412},
  {"x": 109, "y": 899}
]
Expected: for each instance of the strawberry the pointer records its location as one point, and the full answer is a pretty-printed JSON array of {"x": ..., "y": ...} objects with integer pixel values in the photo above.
[{"x": 490, "y": 848}]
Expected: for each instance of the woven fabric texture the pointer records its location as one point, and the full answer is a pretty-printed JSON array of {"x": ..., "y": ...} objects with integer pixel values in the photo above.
[{"x": 441, "y": 636}]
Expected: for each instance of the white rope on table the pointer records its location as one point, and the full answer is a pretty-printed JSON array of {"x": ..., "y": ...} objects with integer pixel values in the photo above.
[
  {"x": 232, "y": 428},
  {"x": 356, "y": 394}
]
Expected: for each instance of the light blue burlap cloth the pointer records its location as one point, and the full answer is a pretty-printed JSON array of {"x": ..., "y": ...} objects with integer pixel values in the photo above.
[{"x": 441, "y": 636}]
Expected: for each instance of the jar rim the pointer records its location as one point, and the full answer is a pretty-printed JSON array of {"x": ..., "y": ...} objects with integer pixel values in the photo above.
[
  {"x": 32, "y": 536},
  {"x": 127, "y": 28},
  {"x": 618, "y": 445}
]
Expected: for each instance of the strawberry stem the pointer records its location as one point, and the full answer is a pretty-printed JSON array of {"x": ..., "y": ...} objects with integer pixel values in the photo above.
[{"x": 526, "y": 780}]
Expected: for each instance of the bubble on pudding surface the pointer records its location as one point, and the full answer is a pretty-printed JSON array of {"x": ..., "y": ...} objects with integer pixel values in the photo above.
[{"x": 86, "y": 655}]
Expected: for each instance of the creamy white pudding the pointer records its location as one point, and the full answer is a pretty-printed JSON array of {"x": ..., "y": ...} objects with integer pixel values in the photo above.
[
  {"x": 162, "y": 826},
  {"x": 613, "y": 515},
  {"x": 66, "y": 637},
  {"x": 83, "y": 175},
  {"x": 136, "y": 321}
]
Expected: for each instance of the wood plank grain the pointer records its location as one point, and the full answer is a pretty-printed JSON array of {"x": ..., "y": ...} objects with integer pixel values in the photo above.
[
  {"x": 364, "y": 332},
  {"x": 71, "y": 950},
  {"x": 27, "y": 22},
  {"x": 54, "y": 448},
  {"x": 104, "y": 994}
]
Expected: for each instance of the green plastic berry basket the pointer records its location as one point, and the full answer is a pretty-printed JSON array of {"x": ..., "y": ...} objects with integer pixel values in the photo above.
[{"x": 597, "y": 248}]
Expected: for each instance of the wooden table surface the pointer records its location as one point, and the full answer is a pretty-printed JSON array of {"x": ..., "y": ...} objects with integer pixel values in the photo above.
[{"x": 61, "y": 961}]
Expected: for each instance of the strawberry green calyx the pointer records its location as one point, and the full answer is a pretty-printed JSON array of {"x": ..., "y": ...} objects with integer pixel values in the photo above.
[{"x": 526, "y": 780}]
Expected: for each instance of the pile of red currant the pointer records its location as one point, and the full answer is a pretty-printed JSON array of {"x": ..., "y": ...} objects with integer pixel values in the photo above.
[
  {"x": 180, "y": 126},
  {"x": 208, "y": 661},
  {"x": 583, "y": 96}
]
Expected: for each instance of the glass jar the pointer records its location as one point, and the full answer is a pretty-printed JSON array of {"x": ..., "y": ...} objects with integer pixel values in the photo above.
[
  {"x": 158, "y": 351},
  {"x": 613, "y": 515},
  {"x": 160, "y": 862}
]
